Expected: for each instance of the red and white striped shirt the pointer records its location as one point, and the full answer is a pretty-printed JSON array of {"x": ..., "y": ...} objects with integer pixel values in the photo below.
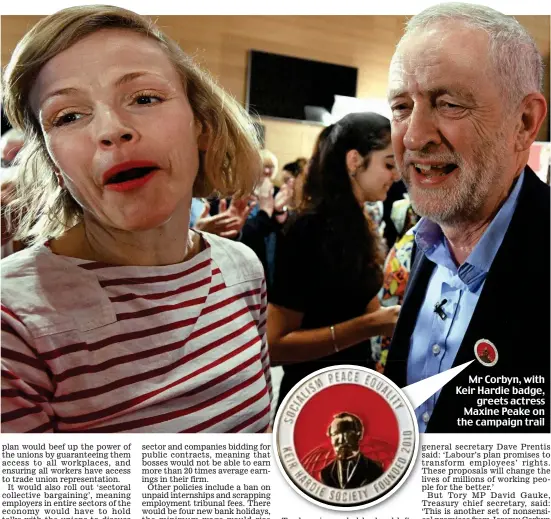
[{"x": 91, "y": 347}]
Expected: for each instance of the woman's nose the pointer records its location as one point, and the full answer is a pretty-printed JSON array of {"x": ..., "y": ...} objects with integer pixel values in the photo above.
[{"x": 113, "y": 130}]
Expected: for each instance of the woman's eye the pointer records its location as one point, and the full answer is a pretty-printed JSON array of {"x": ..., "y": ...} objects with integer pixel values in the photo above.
[
  {"x": 67, "y": 118},
  {"x": 147, "y": 99}
]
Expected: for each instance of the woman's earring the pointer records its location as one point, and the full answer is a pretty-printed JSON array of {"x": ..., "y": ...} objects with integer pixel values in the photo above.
[{"x": 59, "y": 177}]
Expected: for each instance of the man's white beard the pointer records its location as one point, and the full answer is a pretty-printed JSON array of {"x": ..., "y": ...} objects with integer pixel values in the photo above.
[{"x": 462, "y": 201}]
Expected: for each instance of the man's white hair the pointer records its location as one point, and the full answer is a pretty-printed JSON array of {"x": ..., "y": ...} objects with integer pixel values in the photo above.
[{"x": 513, "y": 53}]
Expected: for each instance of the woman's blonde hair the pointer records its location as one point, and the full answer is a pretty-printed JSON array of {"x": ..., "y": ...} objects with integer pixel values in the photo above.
[
  {"x": 269, "y": 158},
  {"x": 230, "y": 166}
]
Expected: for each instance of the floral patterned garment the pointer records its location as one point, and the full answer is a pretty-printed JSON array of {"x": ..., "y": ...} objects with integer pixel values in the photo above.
[{"x": 396, "y": 273}]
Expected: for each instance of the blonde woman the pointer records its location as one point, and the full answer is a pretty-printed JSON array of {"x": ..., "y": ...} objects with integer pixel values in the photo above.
[{"x": 119, "y": 318}]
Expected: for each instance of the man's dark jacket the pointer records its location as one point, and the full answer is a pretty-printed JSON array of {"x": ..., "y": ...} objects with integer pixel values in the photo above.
[
  {"x": 366, "y": 472},
  {"x": 512, "y": 312}
]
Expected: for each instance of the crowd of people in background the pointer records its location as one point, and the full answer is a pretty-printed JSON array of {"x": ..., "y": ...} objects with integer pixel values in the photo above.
[{"x": 307, "y": 221}]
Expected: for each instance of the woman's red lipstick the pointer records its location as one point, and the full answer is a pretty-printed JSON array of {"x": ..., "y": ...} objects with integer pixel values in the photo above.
[{"x": 127, "y": 185}]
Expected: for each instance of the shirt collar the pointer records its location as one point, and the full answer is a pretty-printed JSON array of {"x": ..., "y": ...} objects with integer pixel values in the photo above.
[{"x": 472, "y": 272}]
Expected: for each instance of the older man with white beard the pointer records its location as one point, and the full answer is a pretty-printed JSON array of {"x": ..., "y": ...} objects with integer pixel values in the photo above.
[{"x": 464, "y": 88}]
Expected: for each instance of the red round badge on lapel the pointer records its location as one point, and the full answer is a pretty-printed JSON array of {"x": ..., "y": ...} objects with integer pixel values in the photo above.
[{"x": 486, "y": 353}]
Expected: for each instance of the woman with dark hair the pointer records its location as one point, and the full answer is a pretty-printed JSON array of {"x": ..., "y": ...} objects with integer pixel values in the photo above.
[
  {"x": 288, "y": 173},
  {"x": 324, "y": 305}
]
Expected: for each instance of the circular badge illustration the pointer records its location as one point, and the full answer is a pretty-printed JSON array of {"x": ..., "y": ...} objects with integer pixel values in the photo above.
[
  {"x": 346, "y": 437},
  {"x": 486, "y": 353}
]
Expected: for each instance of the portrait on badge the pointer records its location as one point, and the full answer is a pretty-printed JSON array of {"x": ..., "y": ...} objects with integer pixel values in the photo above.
[
  {"x": 346, "y": 437},
  {"x": 350, "y": 469}
]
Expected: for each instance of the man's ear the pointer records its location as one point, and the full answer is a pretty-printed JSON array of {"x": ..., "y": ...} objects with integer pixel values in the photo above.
[
  {"x": 533, "y": 111},
  {"x": 353, "y": 161}
]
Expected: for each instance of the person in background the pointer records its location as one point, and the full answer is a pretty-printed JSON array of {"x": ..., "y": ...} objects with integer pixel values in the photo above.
[
  {"x": 396, "y": 271},
  {"x": 324, "y": 308},
  {"x": 269, "y": 165},
  {"x": 269, "y": 211},
  {"x": 117, "y": 317},
  {"x": 395, "y": 194},
  {"x": 289, "y": 172},
  {"x": 227, "y": 223},
  {"x": 293, "y": 176},
  {"x": 10, "y": 145},
  {"x": 374, "y": 211},
  {"x": 463, "y": 124}
]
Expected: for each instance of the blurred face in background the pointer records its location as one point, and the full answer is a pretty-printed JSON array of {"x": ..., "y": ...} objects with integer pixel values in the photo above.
[
  {"x": 268, "y": 168},
  {"x": 288, "y": 178},
  {"x": 269, "y": 164}
]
